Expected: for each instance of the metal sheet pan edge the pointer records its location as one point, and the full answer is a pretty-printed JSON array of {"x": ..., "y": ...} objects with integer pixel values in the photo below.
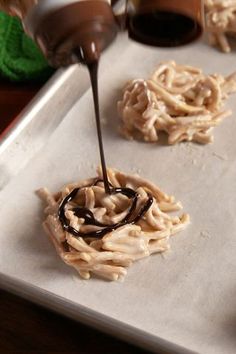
[{"x": 89, "y": 317}]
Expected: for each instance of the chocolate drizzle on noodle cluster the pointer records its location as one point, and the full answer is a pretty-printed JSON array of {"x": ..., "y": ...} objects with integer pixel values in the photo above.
[
  {"x": 132, "y": 217},
  {"x": 89, "y": 219}
]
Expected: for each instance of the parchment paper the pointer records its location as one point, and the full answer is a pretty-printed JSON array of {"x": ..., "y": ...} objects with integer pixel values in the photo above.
[{"x": 188, "y": 296}]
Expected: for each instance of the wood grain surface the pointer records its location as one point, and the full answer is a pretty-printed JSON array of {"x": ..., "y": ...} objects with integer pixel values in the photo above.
[
  {"x": 13, "y": 98},
  {"x": 26, "y": 328}
]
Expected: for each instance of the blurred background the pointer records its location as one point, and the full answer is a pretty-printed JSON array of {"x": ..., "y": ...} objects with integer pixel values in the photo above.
[{"x": 23, "y": 69}]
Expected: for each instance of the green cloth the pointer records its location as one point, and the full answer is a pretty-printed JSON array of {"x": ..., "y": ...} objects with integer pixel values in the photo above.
[{"x": 20, "y": 58}]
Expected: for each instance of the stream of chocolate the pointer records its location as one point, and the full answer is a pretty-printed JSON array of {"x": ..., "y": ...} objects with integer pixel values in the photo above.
[
  {"x": 132, "y": 216},
  {"x": 93, "y": 71}
]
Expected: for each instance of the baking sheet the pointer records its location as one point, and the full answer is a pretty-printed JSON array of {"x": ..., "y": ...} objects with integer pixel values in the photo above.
[
  {"x": 31, "y": 129},
  {"x": 186, "y": 297}
]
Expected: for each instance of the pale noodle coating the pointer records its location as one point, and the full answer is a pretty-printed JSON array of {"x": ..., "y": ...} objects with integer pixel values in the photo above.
[
  {"x": 179, "y": 100},
  {"x": 220, "y": 22},
  {"x": 110, "y": 256}
]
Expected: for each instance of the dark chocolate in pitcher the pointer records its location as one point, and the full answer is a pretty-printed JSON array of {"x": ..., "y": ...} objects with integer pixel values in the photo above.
[{"x": 165, "y": 23}]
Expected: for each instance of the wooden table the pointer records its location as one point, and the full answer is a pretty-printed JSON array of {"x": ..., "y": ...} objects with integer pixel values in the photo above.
[{"x": 24, "y": 327}]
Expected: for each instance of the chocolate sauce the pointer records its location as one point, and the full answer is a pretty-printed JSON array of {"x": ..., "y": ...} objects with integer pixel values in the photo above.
[
  {"x": 93, "y": 70},
  {"x": 165, "y": 23},
  {"x": 163, "y": 29},
  {"x": 89, "y": 218},
  {"x": 87, "y": 51},
  {"x": 85, "y": 213}
]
